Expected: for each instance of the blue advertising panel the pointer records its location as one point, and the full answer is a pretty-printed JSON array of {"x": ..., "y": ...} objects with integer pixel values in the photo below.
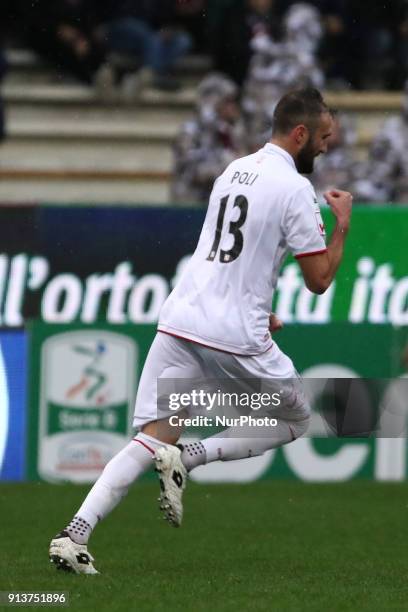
[
  {"x": 13, "y": 377},
  {"x": 101, "y": 264}
]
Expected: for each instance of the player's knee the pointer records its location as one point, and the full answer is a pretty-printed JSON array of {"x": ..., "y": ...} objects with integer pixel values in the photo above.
[{"x": 163, "y": 431}]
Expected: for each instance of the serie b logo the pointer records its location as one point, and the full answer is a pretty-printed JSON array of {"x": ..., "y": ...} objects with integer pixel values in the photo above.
[{"x": 86, "y": 402}]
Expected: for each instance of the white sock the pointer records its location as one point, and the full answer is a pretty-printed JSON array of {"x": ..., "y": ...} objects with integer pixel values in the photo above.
[
  {"x": 235, "y": 443},
  {"x": 193, "y": 455},
  {"x": 78, "y": 530},
  {"x": 112, "y": 485}
]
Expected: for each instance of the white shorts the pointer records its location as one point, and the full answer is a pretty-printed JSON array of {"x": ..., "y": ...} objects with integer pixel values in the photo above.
[{"x": 174, "y": 358}]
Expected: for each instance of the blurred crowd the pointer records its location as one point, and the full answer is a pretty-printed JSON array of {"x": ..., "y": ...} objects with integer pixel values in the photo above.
[
  {"x": 220, "y": 131},
  {"x": 99, "y": 42},
  {"x": 355, "y": 44},
  {"x": 280, "y": 48},
  {"x": 259, "y": 50}
]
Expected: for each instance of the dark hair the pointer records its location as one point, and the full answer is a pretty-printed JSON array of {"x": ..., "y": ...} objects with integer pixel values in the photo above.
[{"x": 301, "y": 106}]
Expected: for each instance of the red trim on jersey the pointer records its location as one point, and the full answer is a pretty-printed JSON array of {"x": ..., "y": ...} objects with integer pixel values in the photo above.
[
  {"x": 212, "y": 347},
  {"x": 312, "y": 253},
  {"x": 143, "y": 444}
]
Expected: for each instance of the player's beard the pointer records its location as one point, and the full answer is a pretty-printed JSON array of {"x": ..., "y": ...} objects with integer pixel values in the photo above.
[{"x": 305, "y": 158}]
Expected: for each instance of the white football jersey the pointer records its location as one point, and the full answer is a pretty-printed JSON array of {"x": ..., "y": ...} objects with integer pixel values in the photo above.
[{"x": 260, "y": 209}]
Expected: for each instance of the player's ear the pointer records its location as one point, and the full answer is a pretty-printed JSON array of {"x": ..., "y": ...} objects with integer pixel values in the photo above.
[{"x": 301, "y": 134}]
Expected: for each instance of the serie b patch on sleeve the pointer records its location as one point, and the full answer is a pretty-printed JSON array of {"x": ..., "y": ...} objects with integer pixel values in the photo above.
[{"x": 319, "y": 221}]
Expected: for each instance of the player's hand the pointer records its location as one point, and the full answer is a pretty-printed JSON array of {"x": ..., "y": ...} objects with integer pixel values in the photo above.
[
  {"x": 275, "y": 324},
  {"x": 340, "y": 203}
]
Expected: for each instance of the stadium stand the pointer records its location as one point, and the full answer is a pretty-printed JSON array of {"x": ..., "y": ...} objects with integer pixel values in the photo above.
[{"x": 64, "y": 143}]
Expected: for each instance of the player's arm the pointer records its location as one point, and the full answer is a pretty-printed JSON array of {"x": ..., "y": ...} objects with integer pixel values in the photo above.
[{"x": 319, "y": 270}]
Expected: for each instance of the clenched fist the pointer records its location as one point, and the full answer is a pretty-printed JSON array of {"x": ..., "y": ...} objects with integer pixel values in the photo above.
[
  {"x": 275, "y": 324},
  {"x": 340, "y": 203}
]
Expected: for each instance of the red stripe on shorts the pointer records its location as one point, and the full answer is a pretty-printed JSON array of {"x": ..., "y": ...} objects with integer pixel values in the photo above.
[{"x": 161, "y": 331}]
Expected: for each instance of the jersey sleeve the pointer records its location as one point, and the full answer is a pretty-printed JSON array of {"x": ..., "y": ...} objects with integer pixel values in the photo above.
[{"x": 303, "y": 225}]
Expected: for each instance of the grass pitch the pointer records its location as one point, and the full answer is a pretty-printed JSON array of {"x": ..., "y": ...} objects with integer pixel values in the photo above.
[{"x": 281, "y": 546}]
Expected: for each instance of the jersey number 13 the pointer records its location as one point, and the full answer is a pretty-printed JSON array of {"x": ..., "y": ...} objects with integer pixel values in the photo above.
[{"x": 234, "y": 228}]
